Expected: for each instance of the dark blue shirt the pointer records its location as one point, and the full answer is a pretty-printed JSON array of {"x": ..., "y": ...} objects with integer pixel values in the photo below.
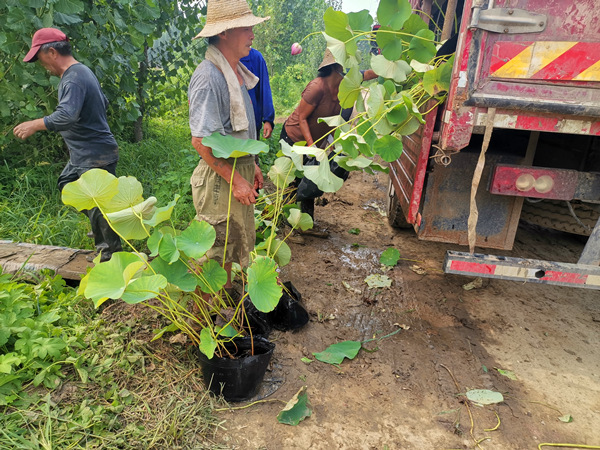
[
  {"x": 261, "y": 97},
  {"x": 80, "y": 118}
]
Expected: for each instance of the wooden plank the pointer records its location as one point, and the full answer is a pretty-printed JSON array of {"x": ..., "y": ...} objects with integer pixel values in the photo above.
[{"x": 67, "y": 262}]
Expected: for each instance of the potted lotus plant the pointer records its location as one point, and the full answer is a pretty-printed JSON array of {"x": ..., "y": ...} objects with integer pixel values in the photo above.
[{"x": 178, "y": 281}]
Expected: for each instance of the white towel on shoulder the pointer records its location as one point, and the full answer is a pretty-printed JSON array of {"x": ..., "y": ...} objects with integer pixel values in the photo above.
[{"x": 237, "y": 107}]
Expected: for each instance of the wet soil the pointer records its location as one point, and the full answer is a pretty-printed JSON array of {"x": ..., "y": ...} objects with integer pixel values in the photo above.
[{"x": 407, "y": 391}]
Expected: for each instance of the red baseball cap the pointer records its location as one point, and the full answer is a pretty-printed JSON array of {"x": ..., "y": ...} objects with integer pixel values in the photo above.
[{"x": 41, "y": 37}]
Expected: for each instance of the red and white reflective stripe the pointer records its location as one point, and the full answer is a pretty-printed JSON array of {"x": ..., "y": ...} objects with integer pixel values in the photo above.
[
  {"x": 549, "y": 124},
  {"x": 517, "y": 269},
  {"x": 546, "y": 60}
]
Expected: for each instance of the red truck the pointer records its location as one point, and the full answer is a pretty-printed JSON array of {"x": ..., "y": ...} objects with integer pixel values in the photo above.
[{"x": 525, "y": 97}]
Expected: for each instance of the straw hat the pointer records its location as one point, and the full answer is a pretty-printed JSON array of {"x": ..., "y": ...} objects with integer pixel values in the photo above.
[
  {"x": 328, "y": 59},
  {"x": 224, "y": 15}
]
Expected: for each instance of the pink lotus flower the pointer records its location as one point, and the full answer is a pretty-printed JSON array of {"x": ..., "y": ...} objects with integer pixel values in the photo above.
[{"x": 296, "y": 49}]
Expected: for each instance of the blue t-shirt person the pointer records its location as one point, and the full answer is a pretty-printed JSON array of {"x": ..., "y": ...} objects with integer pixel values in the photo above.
[{"x": 262, "y": 99}]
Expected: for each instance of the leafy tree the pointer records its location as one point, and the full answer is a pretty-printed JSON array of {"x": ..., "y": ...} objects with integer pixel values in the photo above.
[{"x": 112, "y": 37}]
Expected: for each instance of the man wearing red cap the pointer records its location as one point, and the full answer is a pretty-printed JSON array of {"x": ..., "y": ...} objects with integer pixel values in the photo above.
[{"x": 80, "y": 118}]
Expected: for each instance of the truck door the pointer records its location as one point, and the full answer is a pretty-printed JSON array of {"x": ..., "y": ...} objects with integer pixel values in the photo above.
[{"x": 536, "y": 61}]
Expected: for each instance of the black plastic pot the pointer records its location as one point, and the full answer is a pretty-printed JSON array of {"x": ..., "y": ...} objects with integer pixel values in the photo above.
[
  {"x": 289, "y": 314},
  {"x": 238, "y": 379}
]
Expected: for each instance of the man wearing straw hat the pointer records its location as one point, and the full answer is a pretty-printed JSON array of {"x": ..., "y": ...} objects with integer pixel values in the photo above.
[{"x": 219, "y": 102}]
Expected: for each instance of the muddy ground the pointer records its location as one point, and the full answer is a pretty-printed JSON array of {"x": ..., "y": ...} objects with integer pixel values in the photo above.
[{"x": 407, "y": 392}]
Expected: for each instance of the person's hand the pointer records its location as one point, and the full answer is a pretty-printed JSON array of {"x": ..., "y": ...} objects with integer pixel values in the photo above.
[
  {"x": 26, "y": 129},
  {"x": 258, "y": 178},
  {"x": 267, "y": 130},
  {"x": 243, "y": 191}
]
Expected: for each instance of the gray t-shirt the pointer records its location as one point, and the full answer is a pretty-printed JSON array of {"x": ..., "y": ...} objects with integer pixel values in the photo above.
[
  {"x": 208, "y": 97},
  {"x": 80, "y": 118}
]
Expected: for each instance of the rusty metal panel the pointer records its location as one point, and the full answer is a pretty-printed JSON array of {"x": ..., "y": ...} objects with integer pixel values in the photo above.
[
  {"x": 446, "y": 206},
  {"x": 546, "y": 81},
  {"x": 408, "y": 172}
]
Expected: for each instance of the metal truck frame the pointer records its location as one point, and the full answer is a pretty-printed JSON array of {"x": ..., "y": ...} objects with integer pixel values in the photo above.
[{"x": 519, "y": 131}]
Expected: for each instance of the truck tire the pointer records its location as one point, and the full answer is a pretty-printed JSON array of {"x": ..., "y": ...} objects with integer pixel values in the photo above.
[
  {"x": 394, "y": 210},
  {"x": 555, "y": 214}
]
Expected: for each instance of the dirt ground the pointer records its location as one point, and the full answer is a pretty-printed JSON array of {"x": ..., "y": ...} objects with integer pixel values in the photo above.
[{"x": 408, "y": 391}]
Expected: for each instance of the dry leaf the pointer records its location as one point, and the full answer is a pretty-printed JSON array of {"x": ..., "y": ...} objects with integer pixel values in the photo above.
[{"x": 419, "y": 270}]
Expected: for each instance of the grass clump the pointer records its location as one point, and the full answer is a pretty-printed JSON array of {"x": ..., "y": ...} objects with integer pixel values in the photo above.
[{"x": 73, "y": 378}]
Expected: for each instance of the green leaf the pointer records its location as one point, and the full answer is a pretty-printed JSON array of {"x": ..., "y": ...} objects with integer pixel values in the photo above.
[
  {"x": 338, "y": 27},
  {"x": 144, "y": 288},
  {"x": 398, "y": 114},
  {"x": 375, "y": 101},
  {"x": 129, "y": 222},
  {"x": 437, "y": 80},
  {"x": 66, "y": 19},
  {"x": 484, "y": 396},
  {"x": 276, "y": 249},
  {"x": 43, "y": 347},
  {"x": 163, "y": 213},
  {"x": 390, "y": 257},
  {"x": 96, "y": 187},
  {"x": 69, "y": 6},
  {"x": 212, "y": 277},
  {"x": 335, "y": 353},
  {"x": 408, "y": 127},
  {"x": 263, "y": 288},
  {"x": 176, "y": 273},
  {"x": 290, "y": 151},
  {"x": 306, "y": 360},
  {"x": 355, "y": 231},
  {"x": 350, "y": 88},
  {"x": 197, "y": 239},
  {"x": 388, "y": 147},
  {"x": 298, "y": 219},
  {"x": 337, "y": 48},
  {"x": 296, "y": 410},
  {"x": 231, "y": 147},
  {"x": 8, "y": 361},
  {"x": 422, "y": 46},
  {"x": 507, "y": 373},
  {"x": 322, "y": 176},
  {"x": 129, "y": 194},
  {"x": 567, "y": 418},
  {"x": 282, "y": 172},
  {"x": 393, "y": 13},
  {"x": 207, "y": 343},
  {"x": 360, "y": 21},
  {"x": 395, "y": 70},
  {"x": 109, "y": 279},
  {"x": 167, "y": 249},
  {"x": 153, "y": 242},
  {"x": 227, "y": 331}
]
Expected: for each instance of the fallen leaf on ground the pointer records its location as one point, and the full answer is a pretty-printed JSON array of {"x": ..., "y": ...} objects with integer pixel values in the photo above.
[
  {"x": 418, "y": 269},
  {"x": 296, "y": 410},
  {"x": 376, "y": 280},
  {"x": 567, "y": 418},
  {"x": 484, "y": 397},
  {"x": 178, "y": 339},
  {"x": 507, "y": 373},
  {"x": 475, "y": 284},
  {"x": 335, "y": 353},
  {"x": 350, "y": 288}
]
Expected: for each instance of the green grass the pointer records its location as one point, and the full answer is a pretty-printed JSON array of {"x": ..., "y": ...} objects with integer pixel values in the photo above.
[
  {"x": 110, "y": 388},
  {"x": 31, "y": 209}
]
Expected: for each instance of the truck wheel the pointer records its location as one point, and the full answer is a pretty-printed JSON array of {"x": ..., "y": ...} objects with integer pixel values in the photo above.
[
  {"x": 555, "y": 214},
  {"x": 394, "y": 210}
]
